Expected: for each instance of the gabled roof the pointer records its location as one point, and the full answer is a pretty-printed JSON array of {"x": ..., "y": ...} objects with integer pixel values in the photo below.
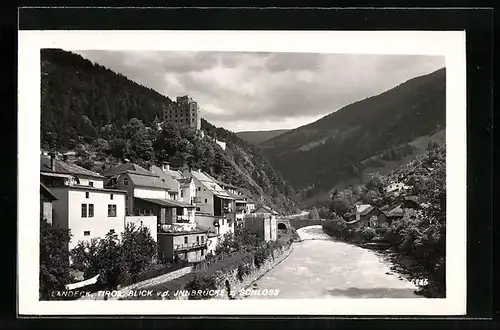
[
  {"x": 167, "y": 202},
  {"x": 268, "y": 209},
  {"x": 185, "y": 181},
  {"x": 65, "y": 168},
  {"x": 45, "y": 190},
  {"x": 411, "y": 198},
  {"x": 210, "y": 184},
  {"x": 395, "y": 212},
  {"x": 126, "y": 168},
  {"x": 171, "y": 182},
  {"x": 364, "y": 209},
  {"x": 239, "y": 198},
  {"x": 147, "y": 181}
]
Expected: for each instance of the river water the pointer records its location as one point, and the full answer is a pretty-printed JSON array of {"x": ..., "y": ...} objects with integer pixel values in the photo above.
[{"x": 320, "y": 267}]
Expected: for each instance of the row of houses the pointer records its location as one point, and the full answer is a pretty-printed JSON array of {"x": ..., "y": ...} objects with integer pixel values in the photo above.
[
  {"x": 373, "y": 216},
  {"x": 187, "y": 212}
]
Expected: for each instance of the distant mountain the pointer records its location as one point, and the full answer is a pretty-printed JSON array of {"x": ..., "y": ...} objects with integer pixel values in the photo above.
[
  {"x": 105, "y": 117},
  {"x": 257, "y": 137},
  {"x": 338, "y": 147}
]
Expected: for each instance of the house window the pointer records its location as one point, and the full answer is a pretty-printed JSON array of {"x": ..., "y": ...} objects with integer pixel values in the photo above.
[
  {"x": 86, "y": 233},
  {"x": 112, "y": 231},
  {"x": 202, "y": 252},
  {"x": 185, "y": 240},
  {"x": 205, "y": 200},
  {"x": 198, "y": 209},
  {"x": 84, "y": 210},
  {"x": 125, "y": 181},
  {"x": 91, "y": 183},
  {"x": 87, "y": 194},
  {"x": 199, "y": 188},
  {"x": 182, "y": 193},
  {"x": 202, "y": 239},
  {"x": 111, "y": 196},
  {"x": 111, "y": 210},
  {"x": 197, "y": 240},
  {"x": 91, "y": 210}
]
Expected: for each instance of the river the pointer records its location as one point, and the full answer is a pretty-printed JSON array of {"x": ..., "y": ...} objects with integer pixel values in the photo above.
[{"x": 320, "y": 267}]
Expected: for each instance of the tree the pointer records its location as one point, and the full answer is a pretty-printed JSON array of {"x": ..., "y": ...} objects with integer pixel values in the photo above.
[
  {"x": 54, "y": 259},
  {"x": 119, "y": 148},
  {"x": 138, "y": 248},
  {"x": 313, "y": 215}
]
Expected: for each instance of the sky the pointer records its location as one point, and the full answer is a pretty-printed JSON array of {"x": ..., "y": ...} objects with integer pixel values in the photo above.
[{"x": 266, "y": 91}]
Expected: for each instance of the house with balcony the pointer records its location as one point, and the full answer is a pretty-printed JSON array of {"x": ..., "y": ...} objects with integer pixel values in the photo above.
[
  {"x": 185, "y": 185},
  {"x": 83, "y": 205},
  {"x": 183, "y": 242},
  {"x": 212, "y": 201},
  {"x": 240, "y": 207},
  {"x": 148, "y": 194}
]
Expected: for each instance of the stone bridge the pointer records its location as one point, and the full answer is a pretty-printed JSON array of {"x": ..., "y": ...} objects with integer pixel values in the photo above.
[{"x": 291, "y": 225}]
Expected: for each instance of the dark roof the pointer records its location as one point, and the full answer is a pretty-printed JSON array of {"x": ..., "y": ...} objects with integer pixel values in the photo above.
[
  {"x": 365, "y": 209},
  {"x": 265, "y": 208},
  {"x": 237, "y": 197},
  {"x": 412, "y": 198},
  {"x": 395, "y": 212},
  {"x": 126, "y": 168},
  {"x": 167, "y": 202},
  {"x": 147, "y": 181},
  {"x": 44, "y": 189},
  {"x": 65, "y": 168}
]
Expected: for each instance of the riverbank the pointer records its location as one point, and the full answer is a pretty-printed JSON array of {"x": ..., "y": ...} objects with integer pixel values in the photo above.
[
  {"x": 242, "y": 290},
  {"x": 405, "y": 268}
]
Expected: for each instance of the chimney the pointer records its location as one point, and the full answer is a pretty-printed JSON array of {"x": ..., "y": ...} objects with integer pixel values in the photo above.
[
  {"x": 165, "y": 166},
  {"x": 52, "y": 156},
  {"x": 199, "y": 170}
]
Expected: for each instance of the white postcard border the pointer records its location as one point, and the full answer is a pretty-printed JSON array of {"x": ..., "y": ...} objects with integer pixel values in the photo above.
[{"x": 450, "y": 44}]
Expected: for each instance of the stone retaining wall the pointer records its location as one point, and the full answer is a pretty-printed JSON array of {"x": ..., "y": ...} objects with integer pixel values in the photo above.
[
  {"x": 236, "y": 285},
  {"x": 140, "y": 285}
]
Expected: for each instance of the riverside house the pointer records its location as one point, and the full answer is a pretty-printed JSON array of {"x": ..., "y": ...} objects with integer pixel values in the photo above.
[
  {"x": 148, "y": 194},
  {"x": 212, "y": 201},
  {"x": 83, "y": 205}
]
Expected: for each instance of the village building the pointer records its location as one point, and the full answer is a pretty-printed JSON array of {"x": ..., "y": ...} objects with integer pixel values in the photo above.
[
  {"x": 83, "y": 205},
  {"x": 396, "y": 188},
  {"x": 186, "y": 187},
  {"x": 46, "y": 199},
  {"x": 183, "y": 242},
  {"x": 184, "y": 112},
  {"x": 394, "y": 213},
  {"x": 368, "y": 215},
  {"x": 148, "y": 194},
  {"x": 262, "y": 222}
]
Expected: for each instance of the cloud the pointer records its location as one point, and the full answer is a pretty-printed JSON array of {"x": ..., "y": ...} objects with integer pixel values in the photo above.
[{"x": 251, "y": 91}]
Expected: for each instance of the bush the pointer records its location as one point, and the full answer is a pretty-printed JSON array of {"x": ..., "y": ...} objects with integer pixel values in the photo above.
[
  {"x": 117, "y": 261},
  {"x": 203, "y": 283},
  {"x": 54, "y": 259}
]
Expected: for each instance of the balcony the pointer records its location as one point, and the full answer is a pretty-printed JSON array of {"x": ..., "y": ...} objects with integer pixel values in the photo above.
[
  {"x": 189, "y": 246},
  {"x": 183, "y": 219}
]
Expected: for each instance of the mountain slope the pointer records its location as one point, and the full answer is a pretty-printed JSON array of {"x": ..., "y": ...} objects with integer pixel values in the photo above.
[
  {"x": 105, "y": 118},
  {"x": 257, "y": 137},
  {"x": 331, "y": 150}
]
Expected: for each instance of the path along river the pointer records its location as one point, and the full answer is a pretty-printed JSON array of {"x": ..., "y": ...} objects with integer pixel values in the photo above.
[{"x": 320, "y": 267}]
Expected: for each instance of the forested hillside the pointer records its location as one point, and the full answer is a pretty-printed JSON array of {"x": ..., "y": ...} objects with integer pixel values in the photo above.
[
  {"x": 337, "y": 148},
  {"x": 257, "y": 137},
  {"x": 106, "y": 118}
]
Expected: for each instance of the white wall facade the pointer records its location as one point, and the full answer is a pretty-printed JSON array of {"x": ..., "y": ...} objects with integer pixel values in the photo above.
[
  {"x": 153, "y": 193},
  {"x": 100, "y": 224},
  {"x": 189, "y": 193},
  {"x": 67, "y": 213},
  {"x": 146, "y": 221},
  {"x": 204, "y": 199},
  {"x": 96, "y": 183}
]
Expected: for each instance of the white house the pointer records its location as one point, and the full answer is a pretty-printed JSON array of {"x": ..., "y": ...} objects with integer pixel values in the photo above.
[
  {"x": 148, "y": 194},
  {"x": 396, "y": 188},
  {"x": 82, "y": 204},
  {"x": 185, "y": 185}
]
